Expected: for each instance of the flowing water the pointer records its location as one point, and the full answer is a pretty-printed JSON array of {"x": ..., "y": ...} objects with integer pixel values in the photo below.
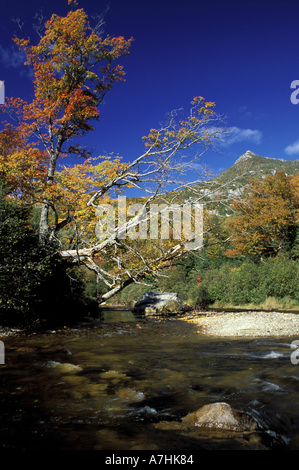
[{"x": 107, "y": 386}]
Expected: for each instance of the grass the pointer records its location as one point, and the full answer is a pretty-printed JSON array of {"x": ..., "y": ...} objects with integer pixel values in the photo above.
[{"x": 271, "y": 303}]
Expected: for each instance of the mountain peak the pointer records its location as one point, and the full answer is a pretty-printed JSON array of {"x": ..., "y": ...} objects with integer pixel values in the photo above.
[
  {"x": 246, "y": 156},
  {"x": 250, "y": 165},
  {"x": 249, "y": 155}
]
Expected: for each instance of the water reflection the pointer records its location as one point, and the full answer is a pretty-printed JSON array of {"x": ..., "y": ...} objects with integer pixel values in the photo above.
[
  {"x": 117, "y": 315},
  {"x": 106, "y": 387}
]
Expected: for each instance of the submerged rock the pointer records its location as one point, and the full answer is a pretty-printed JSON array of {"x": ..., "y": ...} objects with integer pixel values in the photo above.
[
  {"x": 158, "y": 303},
  {"x": 130, "y": 395},
  {"x": 64, "y": 367},
  {"x": 114, "y": 375}
]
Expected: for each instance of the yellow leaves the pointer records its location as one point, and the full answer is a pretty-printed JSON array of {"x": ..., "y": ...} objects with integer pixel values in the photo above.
[
  {"x": 153, "y": 139},
  {"x": 106, "y": 168},
  {"x": 74, "y": 186},
  {"x": 202, "y": 105},
  {"x": 185, "y": 133},
  {"x": 22, "y": 166},
  {"x": 294, "y": 184},
  {"x": 266, "y": 217}
]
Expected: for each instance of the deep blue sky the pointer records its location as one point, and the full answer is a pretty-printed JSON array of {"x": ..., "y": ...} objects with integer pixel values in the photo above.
[{"x": 243, "y": 55}]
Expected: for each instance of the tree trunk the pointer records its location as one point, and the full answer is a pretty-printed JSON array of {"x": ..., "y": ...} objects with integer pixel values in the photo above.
[
  {"x": 44, "y": 224},
  {"x": 115, "y": 290},
  {"x": 44, "y": 229}
]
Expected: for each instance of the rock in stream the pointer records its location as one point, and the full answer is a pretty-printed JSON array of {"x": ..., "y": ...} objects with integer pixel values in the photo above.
[{"x": 159, "y": 303}]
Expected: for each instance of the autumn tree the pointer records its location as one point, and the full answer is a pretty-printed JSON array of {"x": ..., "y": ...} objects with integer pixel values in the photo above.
[
  {"x": 267, "y": 217},
  {"x": 74, "y": 68},
  {"x": 163, "y": 172}
]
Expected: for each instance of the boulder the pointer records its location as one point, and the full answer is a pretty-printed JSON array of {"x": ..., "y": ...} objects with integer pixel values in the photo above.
[
  {"x": 220, "y": 416},
  {"x": 215, "y": 416},
  {"x": 219, "y": 426},
  {"x": 158, "y": 303}
]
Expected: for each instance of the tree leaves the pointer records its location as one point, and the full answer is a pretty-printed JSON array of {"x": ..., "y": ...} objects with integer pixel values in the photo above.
[
  {"x": 74, "y": 67},
  {"x": 267, "y": 217}
]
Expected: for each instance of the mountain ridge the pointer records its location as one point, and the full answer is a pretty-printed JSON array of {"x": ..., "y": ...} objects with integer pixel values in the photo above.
[
  {"x": 259, "y": 166},
  {"x": 251, "y": 165},
  {"x": 231, "y": 182}
]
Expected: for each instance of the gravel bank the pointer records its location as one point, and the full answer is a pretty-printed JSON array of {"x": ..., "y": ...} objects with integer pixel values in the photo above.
[{"x": 247, "y": 324}]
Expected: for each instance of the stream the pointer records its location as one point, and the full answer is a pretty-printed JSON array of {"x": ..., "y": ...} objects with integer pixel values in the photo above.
[{"x": 106, "y": 386}]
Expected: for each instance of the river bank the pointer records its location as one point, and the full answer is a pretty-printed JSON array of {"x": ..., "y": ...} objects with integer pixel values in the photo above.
[
  {"x": 245, "y": 324},
  {"x": 231, "y": 323}
]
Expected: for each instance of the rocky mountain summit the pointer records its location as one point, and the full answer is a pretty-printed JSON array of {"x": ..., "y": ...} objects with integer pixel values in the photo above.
[
  {"x": 231, "y": 182},
  {"x": 250, "y": 165}
]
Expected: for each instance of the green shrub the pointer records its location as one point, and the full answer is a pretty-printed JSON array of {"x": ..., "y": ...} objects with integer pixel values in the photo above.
[
  {"x": 281, "y": 278},
  {"x": 249, "y": 282}
]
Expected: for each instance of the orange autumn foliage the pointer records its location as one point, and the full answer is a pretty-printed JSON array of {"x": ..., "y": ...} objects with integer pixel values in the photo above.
[
  {"x": 267, "y": 218},
  {"x": 74, "y": 68}
]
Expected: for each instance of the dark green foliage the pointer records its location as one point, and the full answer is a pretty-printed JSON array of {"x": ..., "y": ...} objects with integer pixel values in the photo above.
[
  {"x": 36, "y": 286},
  {"x": 204, "y": 282},
  {"x": 251, "y": 283}
]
